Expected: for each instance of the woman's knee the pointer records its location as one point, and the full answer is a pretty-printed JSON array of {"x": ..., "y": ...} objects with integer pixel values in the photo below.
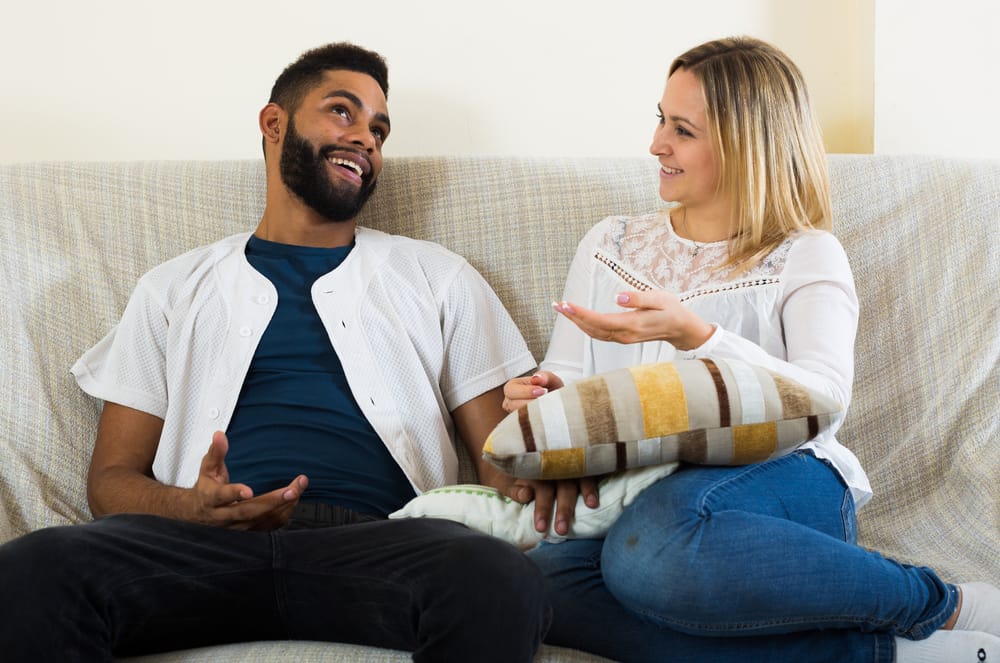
[
  {"x": 660, "y": 524},
  {"x": 654, "y": 561}
]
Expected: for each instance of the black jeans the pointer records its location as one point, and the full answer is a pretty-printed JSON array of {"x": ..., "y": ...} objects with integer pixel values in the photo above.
[{"x": 133, "y": 584}]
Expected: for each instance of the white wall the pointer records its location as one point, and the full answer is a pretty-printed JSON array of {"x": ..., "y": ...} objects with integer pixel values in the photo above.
[
  {"x": 134, "y": 79},
  {"x": 936, "y": 67}
]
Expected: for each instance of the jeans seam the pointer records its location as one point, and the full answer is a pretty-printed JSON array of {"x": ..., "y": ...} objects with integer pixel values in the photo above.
[
  {"x": 595, "y": 560},
  {"x": 847, "y": 514},
  {"x": 279, "y": 585},
  {"x": 751, "y": 627},
  {"x": 890, "y": 649},
  {"x": 924, "y": 629},
  {"x": 749, "y": 470}
]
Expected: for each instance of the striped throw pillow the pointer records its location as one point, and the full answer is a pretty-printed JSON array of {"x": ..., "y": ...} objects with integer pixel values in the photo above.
[{"x": 703, "y": 411}]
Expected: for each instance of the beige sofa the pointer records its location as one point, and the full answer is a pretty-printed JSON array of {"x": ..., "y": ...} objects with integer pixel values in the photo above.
[{"x": 923, "y": 235}]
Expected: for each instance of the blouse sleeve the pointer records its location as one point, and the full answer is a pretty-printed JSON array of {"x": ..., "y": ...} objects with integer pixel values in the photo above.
[{"x": 819, "y": 318}]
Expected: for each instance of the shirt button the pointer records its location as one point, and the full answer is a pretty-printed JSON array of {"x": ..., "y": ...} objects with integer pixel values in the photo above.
[
  {"x": 262, "y": 299},
  {"x": 213, "y": 413},
  {"x": 245, "y": 331}
]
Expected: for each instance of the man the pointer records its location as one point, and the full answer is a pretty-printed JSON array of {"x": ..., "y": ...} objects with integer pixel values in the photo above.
[{"x": 326, "y": 368}]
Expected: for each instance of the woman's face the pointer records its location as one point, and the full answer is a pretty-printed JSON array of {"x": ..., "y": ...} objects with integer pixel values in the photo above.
[{"x": 689, "y": 169}]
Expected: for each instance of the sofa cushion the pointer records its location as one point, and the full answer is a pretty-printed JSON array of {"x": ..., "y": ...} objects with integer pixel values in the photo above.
[
  {"x": 704, "y": 411},
  {"x": 487, "y": 510}
]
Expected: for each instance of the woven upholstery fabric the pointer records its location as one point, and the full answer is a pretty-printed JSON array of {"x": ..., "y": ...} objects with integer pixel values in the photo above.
[
  {"x": 703, "y": 411},
  {"x": 921, "y": 233},
  {"x": 301, "y": 651},
  {"x": 78, "y": 236}
]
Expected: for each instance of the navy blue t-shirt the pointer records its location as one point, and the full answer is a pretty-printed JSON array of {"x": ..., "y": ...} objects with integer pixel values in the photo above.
[{"x": 296, "y": 414}]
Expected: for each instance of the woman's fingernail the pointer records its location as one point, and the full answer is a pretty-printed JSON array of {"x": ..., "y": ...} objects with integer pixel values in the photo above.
[
  {"x": 539, "y": 391},
  {"x": 623, "y": 299}
]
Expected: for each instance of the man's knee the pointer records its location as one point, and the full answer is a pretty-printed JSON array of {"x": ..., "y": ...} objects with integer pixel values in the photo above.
[
  {"x": 60, "y": 558},
  {"x": 482, "y": 592},
  {"x": 486, "y": 565},
  {"x": 493, "y": 583},
  {"x": 49, "y": 563}
]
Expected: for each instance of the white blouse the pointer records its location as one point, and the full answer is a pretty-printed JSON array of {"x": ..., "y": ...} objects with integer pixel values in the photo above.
[{"x": 794, "y": 313}]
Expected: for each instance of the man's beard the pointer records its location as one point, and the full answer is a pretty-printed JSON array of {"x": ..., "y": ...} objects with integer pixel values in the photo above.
[{"x": 305, "y": 172}]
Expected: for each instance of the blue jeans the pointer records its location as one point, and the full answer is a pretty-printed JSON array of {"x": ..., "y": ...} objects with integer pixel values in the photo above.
[
  {"x": 750, "y": 563},
  {"x": 133, "y": 584}
]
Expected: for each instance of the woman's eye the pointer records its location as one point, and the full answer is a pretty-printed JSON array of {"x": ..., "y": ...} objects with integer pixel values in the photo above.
[
  {"x": 659, "y": 117},
  {"x": 681, "y": 131}
]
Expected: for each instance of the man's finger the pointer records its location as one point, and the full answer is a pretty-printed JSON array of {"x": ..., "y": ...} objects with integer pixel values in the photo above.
[
  {"x": 545, "y": 497},
  {"x": 265, "y": 511},
  {"x": 215, "y": 457},
  {"x": 566, "y": 494},
  {"x": 295, "y": 488},
  {"x": 588, "y": 488},
  {"x": 520, "y": 491}
]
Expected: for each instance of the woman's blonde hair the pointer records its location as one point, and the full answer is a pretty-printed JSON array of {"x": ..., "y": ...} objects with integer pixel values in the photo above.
[{"x": 772, "y": 162}]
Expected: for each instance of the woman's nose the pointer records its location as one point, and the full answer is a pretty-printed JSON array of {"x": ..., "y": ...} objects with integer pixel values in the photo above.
[{"x": 660, "y": 144}]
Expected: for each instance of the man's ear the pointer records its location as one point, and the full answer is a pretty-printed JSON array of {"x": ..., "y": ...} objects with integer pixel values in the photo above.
[{"x": 273, "y": 121}]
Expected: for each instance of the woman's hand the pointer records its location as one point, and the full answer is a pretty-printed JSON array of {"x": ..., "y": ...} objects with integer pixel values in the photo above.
[
  {"x": 656, "y": 315},
  {"x": 520, "y": 391}
]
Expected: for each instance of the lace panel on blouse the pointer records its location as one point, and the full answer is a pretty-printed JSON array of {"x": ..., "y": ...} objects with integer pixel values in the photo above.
[{"x": 646, "y": 254}]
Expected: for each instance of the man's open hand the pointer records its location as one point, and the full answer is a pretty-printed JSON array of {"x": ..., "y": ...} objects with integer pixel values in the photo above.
[{"x": 217, "y": 502}]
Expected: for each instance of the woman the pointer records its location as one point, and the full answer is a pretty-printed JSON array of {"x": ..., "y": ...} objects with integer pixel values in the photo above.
[{"x": 757, "y": 562}]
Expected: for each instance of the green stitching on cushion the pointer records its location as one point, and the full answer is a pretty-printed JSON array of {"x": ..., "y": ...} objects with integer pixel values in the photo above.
[{"x": 485, "y": 492}]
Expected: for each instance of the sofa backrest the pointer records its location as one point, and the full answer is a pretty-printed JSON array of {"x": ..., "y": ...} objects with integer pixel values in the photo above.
[{"x": 922, "y": 235}]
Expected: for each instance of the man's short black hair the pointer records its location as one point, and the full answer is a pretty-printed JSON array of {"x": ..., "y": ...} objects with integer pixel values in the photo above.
[{"x": 301, "y": 76}]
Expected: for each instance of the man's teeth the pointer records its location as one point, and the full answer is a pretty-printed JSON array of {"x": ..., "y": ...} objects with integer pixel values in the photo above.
[{"x": 350, "y": 164}]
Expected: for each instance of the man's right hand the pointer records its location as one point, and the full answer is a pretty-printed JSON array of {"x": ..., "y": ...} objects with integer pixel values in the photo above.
[
  {"x": 216, "y": 501},
  {"x": 121, "y": 479}
]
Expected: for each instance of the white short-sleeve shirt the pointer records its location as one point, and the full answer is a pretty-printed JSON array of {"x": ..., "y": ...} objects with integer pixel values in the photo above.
[{"x": 418, "y": 331}]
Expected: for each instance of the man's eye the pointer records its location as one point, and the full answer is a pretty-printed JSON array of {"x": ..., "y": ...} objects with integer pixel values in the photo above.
[
  {"x": 341, "y": 111},
  {"x": 379, "y": 134}
]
